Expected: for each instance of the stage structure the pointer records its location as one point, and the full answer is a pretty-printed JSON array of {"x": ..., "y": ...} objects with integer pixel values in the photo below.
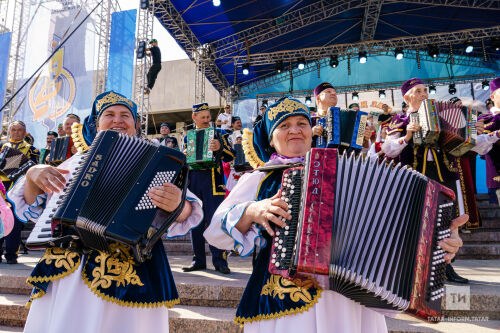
[
  {"x": 20, "y": 21},
  {"x": 251, "y": 45},
  {"x": 22, "y": 14},
  {"x": 142, "y": 65}
]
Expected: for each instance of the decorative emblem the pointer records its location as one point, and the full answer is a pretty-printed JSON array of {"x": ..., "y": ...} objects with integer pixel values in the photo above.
[
  {"x": 53, "y": 94},
  {"x": 297, "y": 290}
]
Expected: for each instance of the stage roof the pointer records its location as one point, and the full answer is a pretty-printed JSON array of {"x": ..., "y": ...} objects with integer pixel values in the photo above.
[{"x": 263, "y": 32}]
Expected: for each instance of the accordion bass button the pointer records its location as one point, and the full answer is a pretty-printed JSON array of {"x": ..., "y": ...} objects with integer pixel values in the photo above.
[{"x": 283, "y": 249}]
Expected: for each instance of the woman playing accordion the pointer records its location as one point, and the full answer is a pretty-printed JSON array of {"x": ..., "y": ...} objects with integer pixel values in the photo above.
[
  {"x": 95, "y": 291},
  {"x": 246, "y": 218}
]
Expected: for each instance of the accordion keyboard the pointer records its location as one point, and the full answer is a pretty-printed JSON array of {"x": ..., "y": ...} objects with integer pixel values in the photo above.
[
  {"x": 284, "y": 239},
  {"x": 435, "y": 290},
  {"x": 160, "y": 179}
]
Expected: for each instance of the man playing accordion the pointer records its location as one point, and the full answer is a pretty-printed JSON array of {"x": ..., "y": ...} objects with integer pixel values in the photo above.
[
  {"x": 17, "y": 132},
  {"x": 430, "y": 161}
]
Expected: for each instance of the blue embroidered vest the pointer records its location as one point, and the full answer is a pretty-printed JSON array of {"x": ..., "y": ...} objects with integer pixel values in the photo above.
[
  {"x": 269, "y": 296},
  {"x": 116, "y": 278}
]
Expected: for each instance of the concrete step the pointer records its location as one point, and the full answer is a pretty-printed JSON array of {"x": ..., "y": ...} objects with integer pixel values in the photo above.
[
  {"x": 181, "y": 248},
  {"x": 12, "y": 310},
  {"x": 481, "y": 236},
  {"x": 462, "y": 325},
  {"x": 479, "y": 250},
  {"x": 7, "y": 329},
  {"x": 187, "y": 319},
  {"x": 490, "y": 212},
  {"x": 490, "y": 224}
]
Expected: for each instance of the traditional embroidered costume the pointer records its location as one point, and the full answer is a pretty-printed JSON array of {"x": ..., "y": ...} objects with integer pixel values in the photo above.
[
  {"x": 270, "y": 302},
  {"x": 209, "y": 186},
  {"x": 13, "y": 240},
  {"x": 99, "y": 292}
]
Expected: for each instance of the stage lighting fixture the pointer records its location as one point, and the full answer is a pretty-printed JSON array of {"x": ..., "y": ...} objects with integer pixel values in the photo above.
[
  {"x": 486, "y": 85},
  {"x": 301, "y": 63},
  {"x": 381, "y": 93},
  {"x": 334, "y": 61},
  {"x": 308, "y": 100},
  {"x": 279, "y": 66},
  {"x": 355, "y": 96},
  {"x": 495, "y": 44},
  {"x": 362, "y": 57},
  {"x": 216, "y": 3},
  {"x": 433, "y": 51},
  {"x": 265, "y": 103},
  {"x": 398, "y": 53},
  {"x": 141, "y": 50},
  {"x": 246, "y": 68},
  {"x": 451, "y": 89},
  {"x": 468, "y": 47},
  {"x": 432, "y": 89},
  {"x": 144, "y": 4}
]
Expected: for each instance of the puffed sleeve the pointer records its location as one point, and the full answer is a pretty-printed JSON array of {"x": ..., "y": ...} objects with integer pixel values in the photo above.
[
  {"x": 485, "y": 142},
  {"x": 22, "y": 210},
  {"x": 393, "y": 145},
  {"x": 221, "y": 232},
  {"x": 26, "y": 212},
  {"x": 179, "y": 229}
]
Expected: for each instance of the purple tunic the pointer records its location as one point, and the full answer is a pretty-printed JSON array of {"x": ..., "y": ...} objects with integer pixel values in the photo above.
[
  {"x": 409, "y": 157},
  {"x": 491, "y": 124}
]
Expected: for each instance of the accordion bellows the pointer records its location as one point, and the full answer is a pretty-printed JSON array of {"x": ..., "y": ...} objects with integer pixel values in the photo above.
[
  {"x": 107, "y": 199},
  {"x": 366, "y": 230},
  {"x": 13, "y": 163},
  {"x": 199, "y": 157}
]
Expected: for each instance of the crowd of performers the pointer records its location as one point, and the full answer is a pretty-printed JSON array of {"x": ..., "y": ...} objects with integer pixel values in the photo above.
[{"x": 93, "y": 291}]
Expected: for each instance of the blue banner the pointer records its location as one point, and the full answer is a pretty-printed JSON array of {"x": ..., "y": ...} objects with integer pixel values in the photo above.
[
  {"x": 4, "y": 64},
  {"x": 121, "y": 52},
  {"x": 66, "y": 82}
]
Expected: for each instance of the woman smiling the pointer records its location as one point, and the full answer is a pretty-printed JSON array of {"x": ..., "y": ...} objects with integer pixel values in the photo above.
[{"x": 282, "y": 137}]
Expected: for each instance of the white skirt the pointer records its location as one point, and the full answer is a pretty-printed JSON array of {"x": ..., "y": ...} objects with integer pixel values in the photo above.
[
  {"x": 333, "y": 313},
  {"x": 70, "y": 306}
]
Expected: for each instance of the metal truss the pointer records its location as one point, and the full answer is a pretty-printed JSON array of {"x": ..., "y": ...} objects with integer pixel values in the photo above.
[
  {"x": 102, "y": 23},
  {"x": 144, "y": 33},
  {"x": 313, "y": 66},
  {"x": 477, "y": 4},
  {"x": 4, "y": 8},
  {"x": 16, "y": 58},
  {"x": 370, "y": 19},
  {"x": 276, "y": 27},
  {"x": 377, "y": 86},
  {"x": 374, "y": 46},
  {"x": 175, "y": 24},
  {"x": 199, "y": 58}
]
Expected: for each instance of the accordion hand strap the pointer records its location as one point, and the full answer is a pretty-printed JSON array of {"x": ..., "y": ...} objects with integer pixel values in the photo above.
[{"x": 78, "y": 139}]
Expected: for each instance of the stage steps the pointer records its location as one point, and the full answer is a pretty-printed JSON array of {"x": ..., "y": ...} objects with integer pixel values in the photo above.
[{"x": 209, "y": 299}]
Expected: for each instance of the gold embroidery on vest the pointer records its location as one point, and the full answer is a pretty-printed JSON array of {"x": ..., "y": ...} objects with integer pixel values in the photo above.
[
  {"x": 118, "y": 267},
  {"x": 63, "y": 258},
  {"x": 297, "y": 289}
]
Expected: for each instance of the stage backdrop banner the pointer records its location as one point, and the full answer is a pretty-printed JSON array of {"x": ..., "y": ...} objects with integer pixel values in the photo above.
[
  {"x": 121, "y": 52},
  {"x": 66, "y": 82},
  {"x": 4, "y": 64}
]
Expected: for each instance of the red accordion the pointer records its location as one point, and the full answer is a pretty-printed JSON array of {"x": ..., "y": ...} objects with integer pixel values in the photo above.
[{"x": 366, "y": 230}]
